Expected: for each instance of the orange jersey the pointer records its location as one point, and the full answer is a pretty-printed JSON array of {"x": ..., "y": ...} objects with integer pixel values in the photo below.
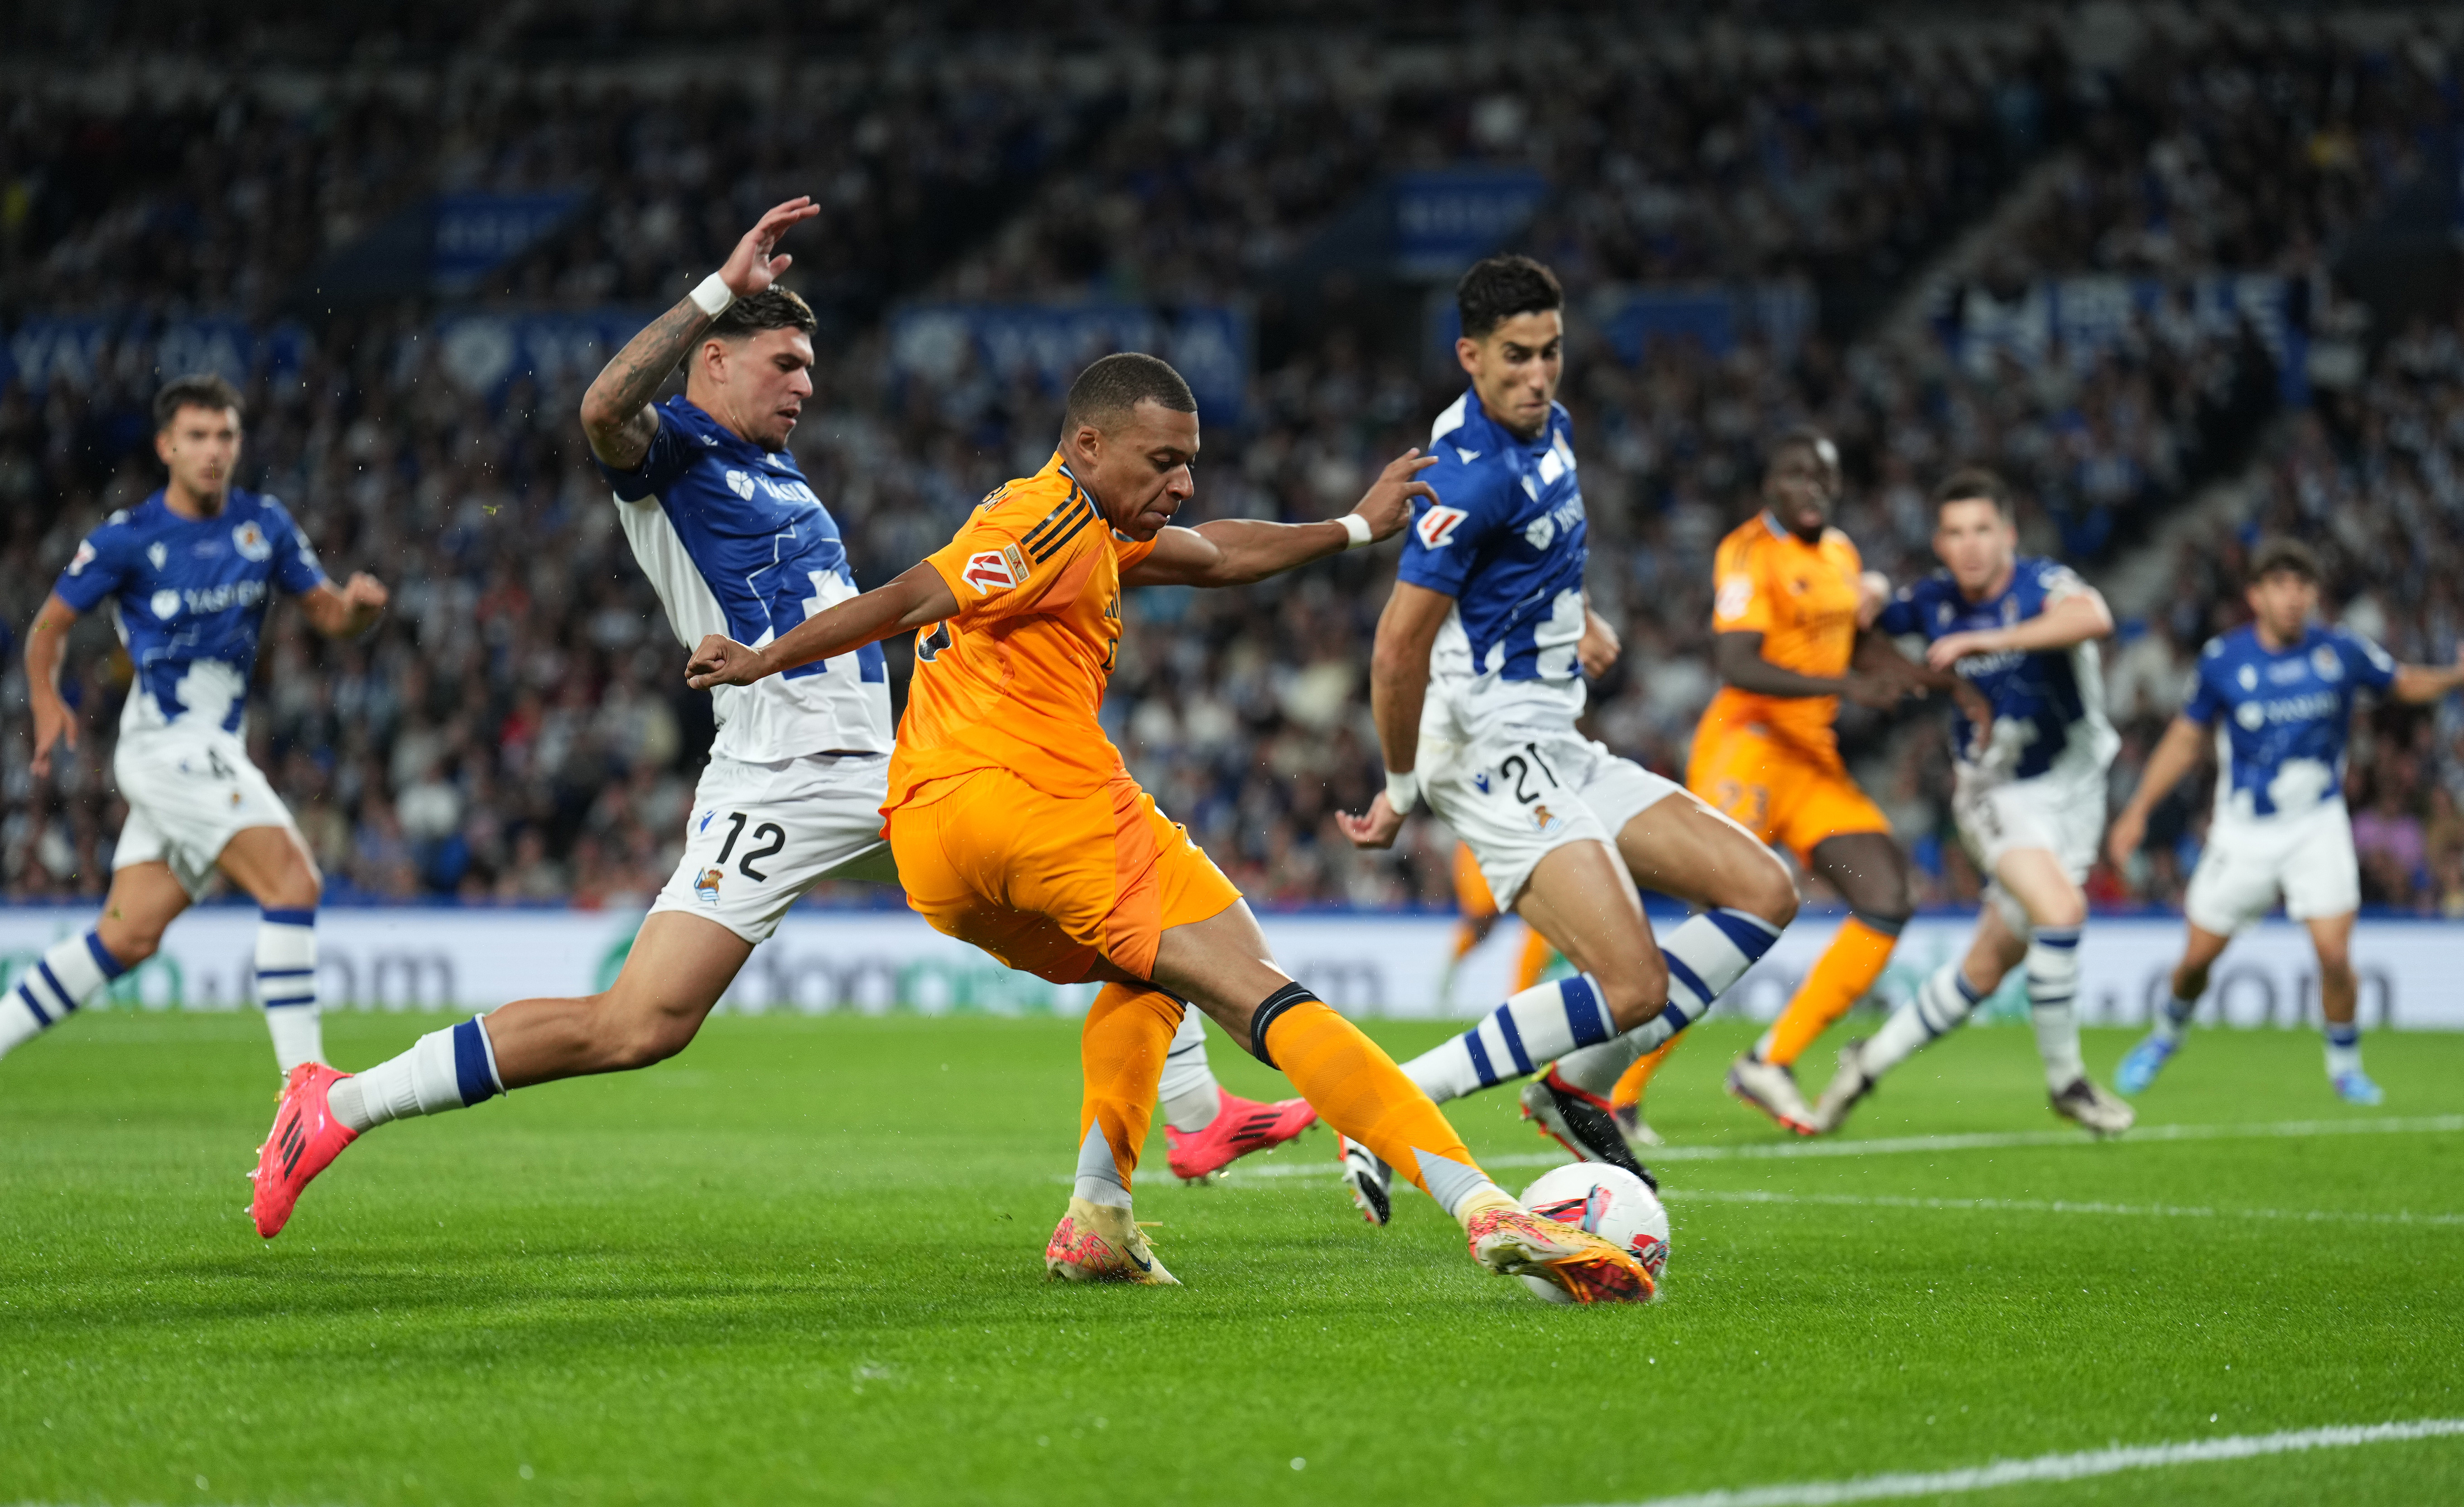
[
  {"x": 1013, "y": 680},
  {"x": 1802, "y": 598}
]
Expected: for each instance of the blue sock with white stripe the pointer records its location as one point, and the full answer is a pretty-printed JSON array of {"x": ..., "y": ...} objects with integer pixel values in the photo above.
[
  {"x": 2052, "y": 993},
  {"x": 72, "y": 971},
  {"x": 286, "y": 985},
  {"x": 1533, "y": 1028},
  {"x": 1940, "y": 1006},
  {"x": 450, "y": 1069},
  {"x": 1704, "y": 954}
]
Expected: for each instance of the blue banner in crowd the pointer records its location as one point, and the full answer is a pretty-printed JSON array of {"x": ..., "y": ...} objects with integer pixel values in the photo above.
[
  {"x": 1208, "y": 345},
  {"x": 77, "y": 350},
  {"x": 2082, "y": 317},
  {"x": 1446, "y": 220},
  {"x": 484, "y": 351},
  {"x": 476, "y": 234}
]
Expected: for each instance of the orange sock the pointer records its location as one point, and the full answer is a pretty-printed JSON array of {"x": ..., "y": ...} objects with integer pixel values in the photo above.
[
  {"x": 1848, "y": 968},
  {"x": 1120, "y": 1055},
  {"x": 1356, "y": 1087},
  {"x": 1636, "y": 1077},
  {"x": 1537, "y": 955},
  {"x": 1466, "y": 937}
]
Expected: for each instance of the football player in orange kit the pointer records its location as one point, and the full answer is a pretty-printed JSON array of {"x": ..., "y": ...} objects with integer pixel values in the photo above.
[
  {"x": 1789, "y": 618},
  {"x": 1017, "y": 828}
]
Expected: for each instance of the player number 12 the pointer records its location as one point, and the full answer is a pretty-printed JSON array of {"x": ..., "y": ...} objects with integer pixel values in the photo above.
[{"x": 777, "y": 834}]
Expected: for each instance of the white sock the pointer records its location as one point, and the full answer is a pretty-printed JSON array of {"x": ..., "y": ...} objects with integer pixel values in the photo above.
[
  {"x": 71, "y": 972},
  {"x": 1191, "y": 1100},
  {"x": 450, "y": 1069},
  {"x": 2053, "y": 988},
  {"x": 286, "y": 985},
  {"x": 1451, "y": 1183},
  {"x": 1099, "y": 1180},
  {"x": 2343, "y": 1048},
  {"x": 1705, "y": 954},
  {"x": 1941, "y": 1004},
  {"x": 1543, "y": 1022},
  {"x": 2174, "y": 1018}
]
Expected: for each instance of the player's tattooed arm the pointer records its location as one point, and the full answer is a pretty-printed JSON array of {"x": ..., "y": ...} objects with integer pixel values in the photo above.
[
  {"x": 916, "y": 600},
  {"x": 46, "y": 646},
  {"x": 1235, "y": 552},
  {"x": 616, "y": 412},
  {"x": 2177, "y": 753}
]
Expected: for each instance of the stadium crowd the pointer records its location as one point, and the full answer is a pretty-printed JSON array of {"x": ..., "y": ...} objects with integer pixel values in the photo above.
[{"x": 517, "y": 730}]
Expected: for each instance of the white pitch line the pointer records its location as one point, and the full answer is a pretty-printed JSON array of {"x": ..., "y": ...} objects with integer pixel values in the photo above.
[
  {"x": 2076, "y": 1467},
  {"x": 2058, "y": 1206},
  {"x": 1981, "y": 1140}
]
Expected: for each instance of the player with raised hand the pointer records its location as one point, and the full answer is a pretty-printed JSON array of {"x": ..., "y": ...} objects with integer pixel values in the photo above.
[
  {"x": 2029, "y": 795},
  {"x": 189, "y": 573},
  {"x": 1476, "y": 683},
  {"x": 2277, "y": 697},
  {"x": 1017, "y": 828}
]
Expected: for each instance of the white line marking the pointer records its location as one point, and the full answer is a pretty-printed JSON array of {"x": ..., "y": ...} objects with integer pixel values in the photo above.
[
  {"x": 2061, "y": 1467},
  {"x": 1982, "y": 1141},
  {"x": 2059, "y": 1206}
]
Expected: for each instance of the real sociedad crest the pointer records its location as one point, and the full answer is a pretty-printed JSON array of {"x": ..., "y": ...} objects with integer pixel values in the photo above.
[{"x": 250, "y": 543}]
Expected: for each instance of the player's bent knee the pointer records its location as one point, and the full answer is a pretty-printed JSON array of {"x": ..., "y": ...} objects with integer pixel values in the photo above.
[
  {"x": 2070, "y": 911},
  {"x": 132, "y": 947},
  {"x": 1636, "y": 993}
]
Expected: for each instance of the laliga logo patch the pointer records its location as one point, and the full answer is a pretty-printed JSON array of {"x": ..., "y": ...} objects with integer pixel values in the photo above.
[
  {"x": 1437, "y": 526},
  {"x": 706, "y": 885},
  {"x": 1736, "y": 595},
  {"x": 2324, "y": 660},
  {"x": 741, "y": 483},
  {"x": 251, "y": 543},
  {"x": 995, "y": 570},
  {"x": 83, "y": 557}
]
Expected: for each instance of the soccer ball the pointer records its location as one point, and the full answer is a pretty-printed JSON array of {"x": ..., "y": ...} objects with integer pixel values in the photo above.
[{"x": 1607, "y": 1201}]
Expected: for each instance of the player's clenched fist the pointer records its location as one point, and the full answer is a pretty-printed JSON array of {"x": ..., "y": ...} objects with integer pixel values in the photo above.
[
  {"x": 721, "y": 660},
  {"x": 1387, "y": 506}
]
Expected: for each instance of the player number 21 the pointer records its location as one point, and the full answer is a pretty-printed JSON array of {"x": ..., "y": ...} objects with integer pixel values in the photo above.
[
  {"x": 777, "y": 834},
  {"x": 1515, "y": 770}
]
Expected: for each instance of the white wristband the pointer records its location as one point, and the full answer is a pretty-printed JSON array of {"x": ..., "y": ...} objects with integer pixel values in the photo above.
[
  {"x": 1402, "y": 791},
  {"x": 1358, "y": 527},
  {"x": 714, "y": 295}
]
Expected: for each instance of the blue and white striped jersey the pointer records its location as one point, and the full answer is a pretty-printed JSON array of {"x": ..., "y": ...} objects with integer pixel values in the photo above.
[
  {"x": 2047, "y": 703},
  {"x": 736, "y": 543},
  {"x": 1505, "y": 538},
  {"x": 188, "y": 597},
  {"x": 2281, "y": 716}
]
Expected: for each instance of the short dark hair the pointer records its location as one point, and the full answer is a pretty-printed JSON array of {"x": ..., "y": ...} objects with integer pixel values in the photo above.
[
  {"x": 195, "y": 390},
  {"x": 2281, "y": 554},
  {"x": 1807, "y": 437},
  {"x": 1105, "y": 392},
  {"x": 1974, "y": 484},
  {"x": 1495, "y": 288},
  {"x": 773, "y": 308}
]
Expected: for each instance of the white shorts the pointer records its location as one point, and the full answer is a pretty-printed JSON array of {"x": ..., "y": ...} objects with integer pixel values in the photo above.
[
  {"x": 1515, "y": 797},
  {"x": 761, "y": 834},
  {"x": 2307, "y": 858},
  {"x": 189, "y": 790},
  {"x": 2061, "y": 812}
]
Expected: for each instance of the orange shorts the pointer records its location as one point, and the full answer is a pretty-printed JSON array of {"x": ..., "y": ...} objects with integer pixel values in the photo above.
[
  {"x": 1776, "y": 791},
  {"x": 1045, "y": 883},
  {"x": 1471, "y": 886}
]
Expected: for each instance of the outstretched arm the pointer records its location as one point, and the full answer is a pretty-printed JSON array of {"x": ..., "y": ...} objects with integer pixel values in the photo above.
[
  {"x": 915, "y": 599},
  {"x": 616, "y": 412},
  {"x": 2177, "y": 754},
  {"x": 1399, "y": 685},
  {"x": 2074, "y": 619},
  {"x": 2418, "y": 683},
  {"x": 46, "y": 646},
  {"x": 348, "y": 612},
  {"x": 1235, "y": 552}
]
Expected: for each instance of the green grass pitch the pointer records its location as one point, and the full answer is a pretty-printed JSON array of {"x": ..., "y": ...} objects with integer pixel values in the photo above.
[{"x": 801, "y": 1263}]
